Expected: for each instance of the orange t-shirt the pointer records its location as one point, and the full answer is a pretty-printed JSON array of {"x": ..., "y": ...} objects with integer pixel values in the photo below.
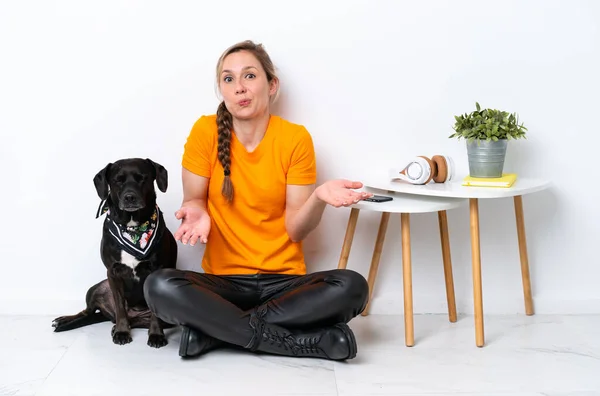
[{"x": 248, "y": 236}]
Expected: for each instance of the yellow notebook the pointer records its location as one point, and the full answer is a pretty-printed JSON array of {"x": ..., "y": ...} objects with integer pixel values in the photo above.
[{"x": 506, "y": 180}]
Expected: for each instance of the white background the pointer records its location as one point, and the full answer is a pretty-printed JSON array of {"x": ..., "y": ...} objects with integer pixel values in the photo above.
[{"x": 375, "y": 82}]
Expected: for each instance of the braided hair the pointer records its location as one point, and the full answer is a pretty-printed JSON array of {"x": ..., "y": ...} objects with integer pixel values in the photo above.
[{"x": 224, "y": 126}]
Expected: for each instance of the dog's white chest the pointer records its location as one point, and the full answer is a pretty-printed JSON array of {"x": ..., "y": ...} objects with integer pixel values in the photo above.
[{"x": 128, "y": 260}]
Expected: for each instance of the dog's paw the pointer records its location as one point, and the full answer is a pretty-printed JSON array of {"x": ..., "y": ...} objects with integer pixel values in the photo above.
[
  {"x": 58, "y": 323},
  {"x": 121, "y": 337},
  {"x": 157, "y": 340}
]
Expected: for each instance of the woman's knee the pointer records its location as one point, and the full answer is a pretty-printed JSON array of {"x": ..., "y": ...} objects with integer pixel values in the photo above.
[
  {"x": 162, "y": 285},
  {"x": 354, "y": 286}
]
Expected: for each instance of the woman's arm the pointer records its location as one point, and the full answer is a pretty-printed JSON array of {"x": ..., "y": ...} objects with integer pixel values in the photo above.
[
  {"x": 195, "y": 189},
  {"x": 303, "y": 211},
  {"x": 305, "y": 204},
  {"x": 195, "y": 221}
]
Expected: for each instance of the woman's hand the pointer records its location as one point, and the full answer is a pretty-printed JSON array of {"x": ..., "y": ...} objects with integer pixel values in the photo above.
[
  {"x": 339, "y": 193},
  {"x": 195, "y": 225}
]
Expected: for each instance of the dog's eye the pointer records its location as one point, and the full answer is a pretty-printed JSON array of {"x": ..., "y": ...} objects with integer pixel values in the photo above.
[
  {"x": 138, "y": 178},
  {"x": 120, "y": 179}
]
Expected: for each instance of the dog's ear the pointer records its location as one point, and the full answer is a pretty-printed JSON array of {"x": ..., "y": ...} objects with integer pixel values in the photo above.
[
  {"x": 161, "y": 175},
  {"x": 101, "y": 181}
]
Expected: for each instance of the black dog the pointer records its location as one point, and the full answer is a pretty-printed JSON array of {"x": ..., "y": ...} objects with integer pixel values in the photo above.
[{"x": 135, "y": 242}]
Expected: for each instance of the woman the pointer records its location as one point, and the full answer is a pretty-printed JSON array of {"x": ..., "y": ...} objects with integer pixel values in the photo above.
[{"x": 249, "y": 194}]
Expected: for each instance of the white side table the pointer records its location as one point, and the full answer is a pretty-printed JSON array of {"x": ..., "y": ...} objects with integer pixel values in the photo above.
[
  {"x": 405, "y": 205},
  {"x": 455, "y": 189}
]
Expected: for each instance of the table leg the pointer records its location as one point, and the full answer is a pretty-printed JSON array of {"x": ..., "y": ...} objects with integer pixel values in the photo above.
[
  {"x": 476, "y": 262},
  {"x": 343, "y": 262},
  {"x": 385, "y": 217},
  {"x": 409, "y": 331},
  {"x": 523, "y": 255},
  {"x": 447, "y": 260}
]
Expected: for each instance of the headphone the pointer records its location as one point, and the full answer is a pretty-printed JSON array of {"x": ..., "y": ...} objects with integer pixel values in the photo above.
[{"x": 421, "y": 170}]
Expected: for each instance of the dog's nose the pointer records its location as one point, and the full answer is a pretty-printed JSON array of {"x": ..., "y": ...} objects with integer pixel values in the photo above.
[{"x": 129, "y": 197}]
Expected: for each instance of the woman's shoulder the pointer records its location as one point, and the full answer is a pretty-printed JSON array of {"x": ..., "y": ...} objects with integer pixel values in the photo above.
[
  {"x": 203, "y": 132},
  {"x": 206, "y": 121},
  {"x": 205, "y": 127},
  {"x": 291, "y": 130},
  {"x": 294, "y": 140}
]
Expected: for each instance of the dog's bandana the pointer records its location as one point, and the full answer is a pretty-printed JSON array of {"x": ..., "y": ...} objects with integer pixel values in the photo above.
[{"x": 136, "y": 240}]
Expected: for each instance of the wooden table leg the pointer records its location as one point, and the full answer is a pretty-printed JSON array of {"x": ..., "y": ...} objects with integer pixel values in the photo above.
[
  {"x": 447, "y": 260},
  {"x": 523, "y": 254},
  {"x": 385, "y": 217},
  {"x": 476, "y": 262},
  {"x": 343, "y": 262},
  {"x": 409, "y": 331}
]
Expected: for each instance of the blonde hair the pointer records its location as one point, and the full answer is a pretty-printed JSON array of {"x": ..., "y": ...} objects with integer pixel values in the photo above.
[{"x": 224, "y": 118}]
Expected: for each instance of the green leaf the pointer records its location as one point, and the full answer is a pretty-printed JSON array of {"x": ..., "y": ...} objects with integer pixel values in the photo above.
[{"x": 488, "y": 124}]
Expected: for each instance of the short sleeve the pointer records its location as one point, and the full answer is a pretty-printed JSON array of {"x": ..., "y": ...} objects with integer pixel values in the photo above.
[
  {"x": 303, "y": 166},
  {"x": 199, "y": 147}
]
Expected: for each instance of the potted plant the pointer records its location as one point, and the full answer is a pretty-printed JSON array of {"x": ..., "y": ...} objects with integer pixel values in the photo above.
[{"x": 487, "y": 133}]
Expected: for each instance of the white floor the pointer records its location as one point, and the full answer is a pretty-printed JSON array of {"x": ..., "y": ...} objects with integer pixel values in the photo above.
[{"x": 526, "y": 356}]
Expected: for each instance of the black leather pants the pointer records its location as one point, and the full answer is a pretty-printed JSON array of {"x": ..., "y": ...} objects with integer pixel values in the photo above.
[{"x": 221, "y": 306}]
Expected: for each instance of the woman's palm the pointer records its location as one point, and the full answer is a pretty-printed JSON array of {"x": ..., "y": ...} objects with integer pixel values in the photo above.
[
  {"x": 340, "y": 192},
  {"x": 195, "y": 225}
]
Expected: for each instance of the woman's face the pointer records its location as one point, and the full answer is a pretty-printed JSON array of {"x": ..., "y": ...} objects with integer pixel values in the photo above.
[{"x": 244, "y": 86}]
